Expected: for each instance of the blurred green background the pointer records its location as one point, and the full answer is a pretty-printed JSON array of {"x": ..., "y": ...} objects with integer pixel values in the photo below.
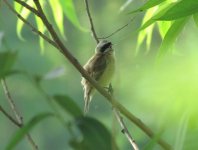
[{"x": 163, "y": 95}]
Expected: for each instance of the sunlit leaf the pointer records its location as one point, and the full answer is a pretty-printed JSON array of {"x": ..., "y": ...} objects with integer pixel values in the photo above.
[
  {"x": 95, "y": 135},
  {"x": 17, "y": 6},
  {"x": 58, "y": 15},
  {"x": 158, "y": 14},
  {"x": 163, "y": 27},
  {"x": 195, "y": 17},
  {"x": 25, "y": 13},
  {"x": 26, "y": 129},
  {"x": 70, "y": 12},
  {"x": 41, "y": 27},
  {"x": 181, "y": 134},
  {"x": 146, "y": 33},
  {"x": 181, "y": 9},
  {"x": 68, "y": 105},
  {"x": 171, "y": 35},
  {"x": 7, "y": 60},
  {"x": 148, "y": 4}
]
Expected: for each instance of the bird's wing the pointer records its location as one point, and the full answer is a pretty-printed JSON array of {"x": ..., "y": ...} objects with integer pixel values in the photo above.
[{"x": 97, "y": 67}]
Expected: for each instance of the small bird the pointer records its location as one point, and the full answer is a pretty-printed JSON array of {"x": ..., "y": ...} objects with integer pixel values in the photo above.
[{"x": 101, "y": 67}]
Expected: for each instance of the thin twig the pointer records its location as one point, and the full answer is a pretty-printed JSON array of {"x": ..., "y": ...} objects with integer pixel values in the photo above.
[
  {"x": 19, "y": 118},
  {"x": 91, "y": 21},
  {"x": 9, "y": 117},
  {"x": 29, "y": 24},
  {"x": 112, "y": 100},
  {"x": 125, "y": 130},
  {"x": 33, "y": 10},
  {"x": 11, "y": 102},
  {"x": 116, "y": 31}
]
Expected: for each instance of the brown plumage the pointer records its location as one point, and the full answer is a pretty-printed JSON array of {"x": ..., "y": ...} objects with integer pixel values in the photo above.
[{"x": 100, "y": 67}]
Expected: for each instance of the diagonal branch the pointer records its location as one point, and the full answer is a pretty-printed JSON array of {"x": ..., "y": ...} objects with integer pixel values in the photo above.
[
  {"x": 9, "y": 117},
  {"x": 91, "y": 21},
  {"x": 28, "y": 7},
  {"x": 77, "y": 65},
  {"x": 125, "y": 130},
  {"x": 16, "y": 113}
]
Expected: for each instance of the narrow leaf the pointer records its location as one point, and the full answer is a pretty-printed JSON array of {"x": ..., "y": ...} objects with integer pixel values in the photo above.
[
  {"x": 58, "y": 15},
  {"x": 68, "y": 105},
  {"x": 70, "y": 12},
  {"x": 17, "y": 6},
  {"x": 146, "y": 33},
  {"x": 26, "y": 129},
  {"x": 181, "y": 9},
  {"x": 163, "y": 27},
  {"x": 7, "y": 60},
  {"x": 171, "y": 35},
  {"x": 25, "y": 13},
  {"x": 148, "y": 4},
  {"x": 157, "y": 15},
  {"x": 95, "y": 135},
  {"x": 195, "y": 17},
  {"x": 41, "y": 27}
]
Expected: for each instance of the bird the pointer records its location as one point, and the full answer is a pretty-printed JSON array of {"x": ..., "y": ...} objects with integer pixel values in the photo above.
[{"x": 101, "y": 67}]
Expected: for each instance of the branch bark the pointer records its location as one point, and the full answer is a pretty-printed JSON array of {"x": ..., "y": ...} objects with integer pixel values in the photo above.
[
  {"x": 101, "y": 90},
  {"x": 124, "y": 130},
  {"x": 91, "y": 21},
  {"x": 19, "y": 118}
]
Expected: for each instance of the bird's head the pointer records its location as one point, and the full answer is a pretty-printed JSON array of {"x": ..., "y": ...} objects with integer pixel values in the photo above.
[{"x": 103, "y": 47}]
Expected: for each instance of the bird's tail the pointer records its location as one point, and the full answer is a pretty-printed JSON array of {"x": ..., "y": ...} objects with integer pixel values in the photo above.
[
  {"x": 86, "y": 107},
  {"x": 87, "y": 98}
]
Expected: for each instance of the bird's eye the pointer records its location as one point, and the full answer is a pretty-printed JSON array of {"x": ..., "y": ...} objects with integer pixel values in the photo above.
[{"x": 105, "y": 46}]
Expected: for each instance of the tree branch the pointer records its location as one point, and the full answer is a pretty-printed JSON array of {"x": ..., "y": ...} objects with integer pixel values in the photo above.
[
  {"x": 125, "y": 130},
  {"x": 9, "y": 117},
  {"x": 91, "y": 21},
  {"x": 101, "y": 90},
  {"x": 28, "y": 7},
  {"x": 17, "y": 115},
  {"x": 29, "y": 24}
]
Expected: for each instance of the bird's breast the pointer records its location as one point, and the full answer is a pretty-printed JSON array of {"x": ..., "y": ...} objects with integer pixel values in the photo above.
[{"x": 109, "y": 71}]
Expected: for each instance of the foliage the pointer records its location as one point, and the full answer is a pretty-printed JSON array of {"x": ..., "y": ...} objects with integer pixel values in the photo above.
[{"x": 170, "y": 17}]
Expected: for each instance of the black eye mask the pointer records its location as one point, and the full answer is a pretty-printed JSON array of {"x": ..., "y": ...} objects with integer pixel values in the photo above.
[{"x": 104, "y": 47}]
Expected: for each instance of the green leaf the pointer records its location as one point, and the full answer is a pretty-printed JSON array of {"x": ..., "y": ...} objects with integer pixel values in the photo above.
[
  {"x": 171, "y": 35},
  {"x": 157, "y": 15},
  {"x": 163, "y": 27},
  {"x": 26, "y": 129},
  {"x": 181, "y": 9},
  {"x": 195, "y": 17},
  {"x": 17, "y": 6},
  {"x": 68, "y": 105},
  {"x": 70, "y": 12},
  {"x": 25, "y": 13},
  {"x": 148, "y": 4},
  {"x": 7, "y": 60},
  {"x": 95, "y": 134},
  {"x": 146, "y": 33},
  {"x": 41, "y": 27},
  {"x": 58, "y": 15}
]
